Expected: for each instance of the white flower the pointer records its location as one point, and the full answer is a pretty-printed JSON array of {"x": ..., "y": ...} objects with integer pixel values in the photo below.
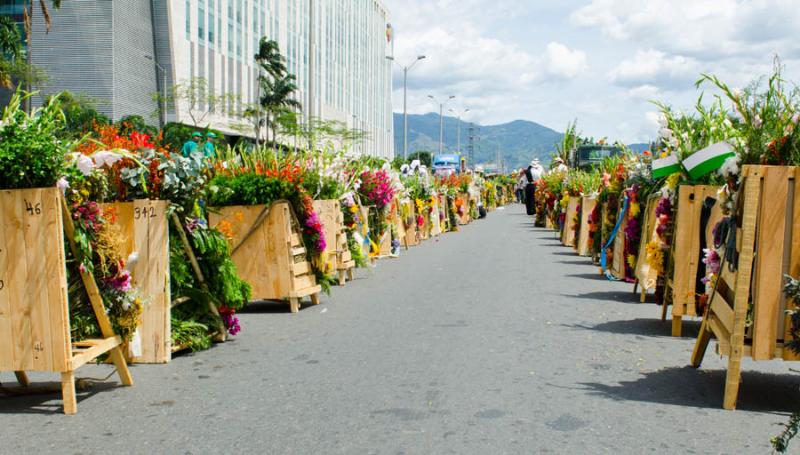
[
  {"x": 224, "y": 165},
  {"x": 662, "y": 121},
  {"x": 727, "y": 122},
  {"x": 84, "y": 164},
  {"x": 737, "y": 93},
  {"x": 757, "y": 122},
  {"x": 730, "y": 167},
  {"x": 106, "y": 158},
  {"x": 132, "y": 259},
  {"x": 62, "y": 185},
  {"x": 665, "y": 133},
  {"x": 796, "y": 118}
]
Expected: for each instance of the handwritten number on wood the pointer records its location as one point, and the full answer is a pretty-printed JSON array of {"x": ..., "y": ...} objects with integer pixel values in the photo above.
[
  {"x": 147, "y": 212},
  {"x": 33, "y": 209}
]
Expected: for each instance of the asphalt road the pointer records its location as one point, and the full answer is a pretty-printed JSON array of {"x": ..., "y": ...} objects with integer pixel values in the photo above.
[{"x": 493, "y": 340}]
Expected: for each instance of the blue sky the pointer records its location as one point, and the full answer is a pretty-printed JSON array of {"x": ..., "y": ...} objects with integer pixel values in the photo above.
[{"x": 597, "y": 61}]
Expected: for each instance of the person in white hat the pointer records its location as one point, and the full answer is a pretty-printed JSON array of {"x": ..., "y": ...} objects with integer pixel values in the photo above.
[
  {"x": 559, "y": 165},
  {"x": 533, "y": 174}
]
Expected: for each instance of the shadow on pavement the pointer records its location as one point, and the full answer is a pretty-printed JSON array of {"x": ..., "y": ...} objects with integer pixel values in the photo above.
[
  {"x": 588, "y": 276},
  {"x": 586, "y": 261},
  {"x": 653, "y": 327},
  {"x": 567, "y": 253},
  {"x": 611, "y": 296},
  {"x": 687, "y": 386},
  {"x": 49, "y": 401}
]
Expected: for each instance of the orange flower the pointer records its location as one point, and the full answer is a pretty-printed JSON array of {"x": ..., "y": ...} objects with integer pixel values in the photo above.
[{"x": 225, "y": 228}]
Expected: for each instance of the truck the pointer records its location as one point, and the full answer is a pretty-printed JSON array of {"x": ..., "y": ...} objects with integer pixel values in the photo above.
[
  {"x": 446, "y": 164},
  {"x": 588, "y": 156}
]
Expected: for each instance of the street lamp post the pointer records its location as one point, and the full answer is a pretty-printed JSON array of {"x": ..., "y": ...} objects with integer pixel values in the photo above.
[
  {"x": 458, "y": 147},
  {"x": 405, "y": 101},
  {"x": 163, "y": 89},
  {"x": 441, "y": 120}
]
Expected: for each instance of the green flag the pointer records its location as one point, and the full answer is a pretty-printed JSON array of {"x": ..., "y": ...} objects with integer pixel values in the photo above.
[
  {"x": 666, "y": 166},
  {"x": 708, "y": 160}
]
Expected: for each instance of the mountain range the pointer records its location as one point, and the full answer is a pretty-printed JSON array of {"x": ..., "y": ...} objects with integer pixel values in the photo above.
[{"x": 516, "y": 142}]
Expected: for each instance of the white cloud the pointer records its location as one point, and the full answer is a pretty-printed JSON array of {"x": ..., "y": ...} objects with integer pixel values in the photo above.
[
  {"x": 711, "y": 29},
  {"x": 564, "y": 62},
  {"x": 655, "y": 68},
  {"x": 645, "y": 92}
]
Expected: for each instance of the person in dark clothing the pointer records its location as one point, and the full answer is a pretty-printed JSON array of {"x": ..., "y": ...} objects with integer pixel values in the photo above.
[{"x": 530, "y": 190}]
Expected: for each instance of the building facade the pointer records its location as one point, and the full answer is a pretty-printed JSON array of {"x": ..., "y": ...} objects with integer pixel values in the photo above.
[{"x": 107, "y": 50}]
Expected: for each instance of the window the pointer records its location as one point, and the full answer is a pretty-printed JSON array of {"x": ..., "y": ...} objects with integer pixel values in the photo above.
[
  {"x": 211, "y": 28},
  {"x": 201, "y": 21},
  {"x": 188, "y": 20}
]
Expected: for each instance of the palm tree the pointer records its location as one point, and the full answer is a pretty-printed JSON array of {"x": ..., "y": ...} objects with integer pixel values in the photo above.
[
  {"x": 10, "y": 50},
  {"x": 269, "y": 58},
  {"x": 277, "y": 96}
]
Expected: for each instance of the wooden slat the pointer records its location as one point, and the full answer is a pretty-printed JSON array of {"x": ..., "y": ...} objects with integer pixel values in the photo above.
[
  {"x": 6, "y": 342},
  {"x": 723, "y": 312},
  {"x": 303, "y": 282},
  {"x": 794, "y": 258},
  {"x": 299, "y": 251},
  {"x": 768, "y": 279},
  {"x": 302, "y": 268},
  {"x": 95, "y": 349}
]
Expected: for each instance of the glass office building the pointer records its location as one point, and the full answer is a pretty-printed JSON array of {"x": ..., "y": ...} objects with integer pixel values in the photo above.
[{"x": 103, "y": 49}]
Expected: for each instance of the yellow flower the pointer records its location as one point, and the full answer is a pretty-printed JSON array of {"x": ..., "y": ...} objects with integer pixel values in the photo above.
[
  {"x": 673, "y": 180},
  {"x": 631, "y": 261},
  {"x": 635, "y": 208}
]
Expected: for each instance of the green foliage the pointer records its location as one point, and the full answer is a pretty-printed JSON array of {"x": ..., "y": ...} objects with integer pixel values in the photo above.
[
  {"x": 321, "y": 187},
  {"x": 31, "y": 155},
  {"x": 218, "y": 267},
  {"x": 781, "y": 442},
  {"x": 248, "y": 189},
  {"x": 424, "y": 157},
  {"x": 80, "y": 115},
  {"x": 356, "y": 252},
  {"x": 136, "y": 123},
  {"x": 190, "y": 334}
]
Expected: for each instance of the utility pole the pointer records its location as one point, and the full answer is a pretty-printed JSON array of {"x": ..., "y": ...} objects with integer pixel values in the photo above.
[
  {"x": 311, "y": 58},
  {"x": 441, "y": 120},
  {"x": 405, "y": 101}
]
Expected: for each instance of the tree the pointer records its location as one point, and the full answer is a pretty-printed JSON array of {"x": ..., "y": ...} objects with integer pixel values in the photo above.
[
  {"x": 424, "y": 157},
  {"x": 198, "y": 98},
  {"x": 12, "y": 52},
  {"x": 80, "y": 114},
  {"x": 276, "y": 97},
  {"x": 269, "y": 58}
]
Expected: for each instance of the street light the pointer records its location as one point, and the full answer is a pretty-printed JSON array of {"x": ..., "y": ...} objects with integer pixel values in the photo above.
[
  {"x": 441, "y": 120},
  {"x": 459, "y": 126},
  {"x": 163, "y": 89},
  {"x": 405, "y": 100}
]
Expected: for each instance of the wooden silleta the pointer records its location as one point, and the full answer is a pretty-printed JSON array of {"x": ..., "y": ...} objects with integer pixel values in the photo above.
[
  {"x": 269, "y": 253},
  {"x": 34, "y": 307},
  {"x": 768, "y": 242}
]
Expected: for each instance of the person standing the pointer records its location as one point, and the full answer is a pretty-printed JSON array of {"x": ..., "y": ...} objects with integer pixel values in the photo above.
[
  {"x": 559, "y": 165},
  {"x": 532, "y": 175},
  {"x": 191, "y": 145},
  {"x": 209, "y": 152},
  {"x": 521, "y": 181}
]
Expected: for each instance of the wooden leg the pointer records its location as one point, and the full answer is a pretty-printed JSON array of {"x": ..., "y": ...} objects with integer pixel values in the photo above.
[
  {"x": 635, "y": 286},
  {"x": 350, "y": 275},
  {"x": 68, "y": 392},
  {"x": 294, "y": 305},
  {"x": 22, "y": 378},
  {"x": 118, "y": 358},
  {"x": 643, "y": 296},
  {"x": 664, "y": 311},
  {"x": 703, "y": 338},
  {"x": 732, "y": 379},
  {"x": 342, "y": 279},
  {"x": 315, "y": 299},
  {"x": 677, "y": 325}
]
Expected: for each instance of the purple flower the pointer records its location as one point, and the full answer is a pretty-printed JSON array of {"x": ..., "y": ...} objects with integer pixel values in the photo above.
[{"x": 712, "y": 260}]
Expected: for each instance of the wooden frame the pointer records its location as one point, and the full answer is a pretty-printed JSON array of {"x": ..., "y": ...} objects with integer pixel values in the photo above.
[
  {"x": 685, "y": 251},
  {"x": 145, "y": 230},
  {"x": 34, "y": 307},
  {"x": 567, "y": 234},
  {"x": 339, "y": 260},
  {"x": 411, "y": 235},
  {"x": 767, "y": 245},
  {"x": 646, "y": 276},
  {"x": 465, "y": 200},
  {"x": 588, "y": 204},
  {"x": 269, "y": 253}
]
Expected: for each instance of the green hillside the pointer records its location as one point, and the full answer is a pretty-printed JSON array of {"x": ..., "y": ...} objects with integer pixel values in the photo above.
[{"x": 518, "y": 141}]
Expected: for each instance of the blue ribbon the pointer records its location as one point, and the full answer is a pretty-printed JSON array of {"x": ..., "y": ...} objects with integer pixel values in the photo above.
[{"x": 608, "y": 245}]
